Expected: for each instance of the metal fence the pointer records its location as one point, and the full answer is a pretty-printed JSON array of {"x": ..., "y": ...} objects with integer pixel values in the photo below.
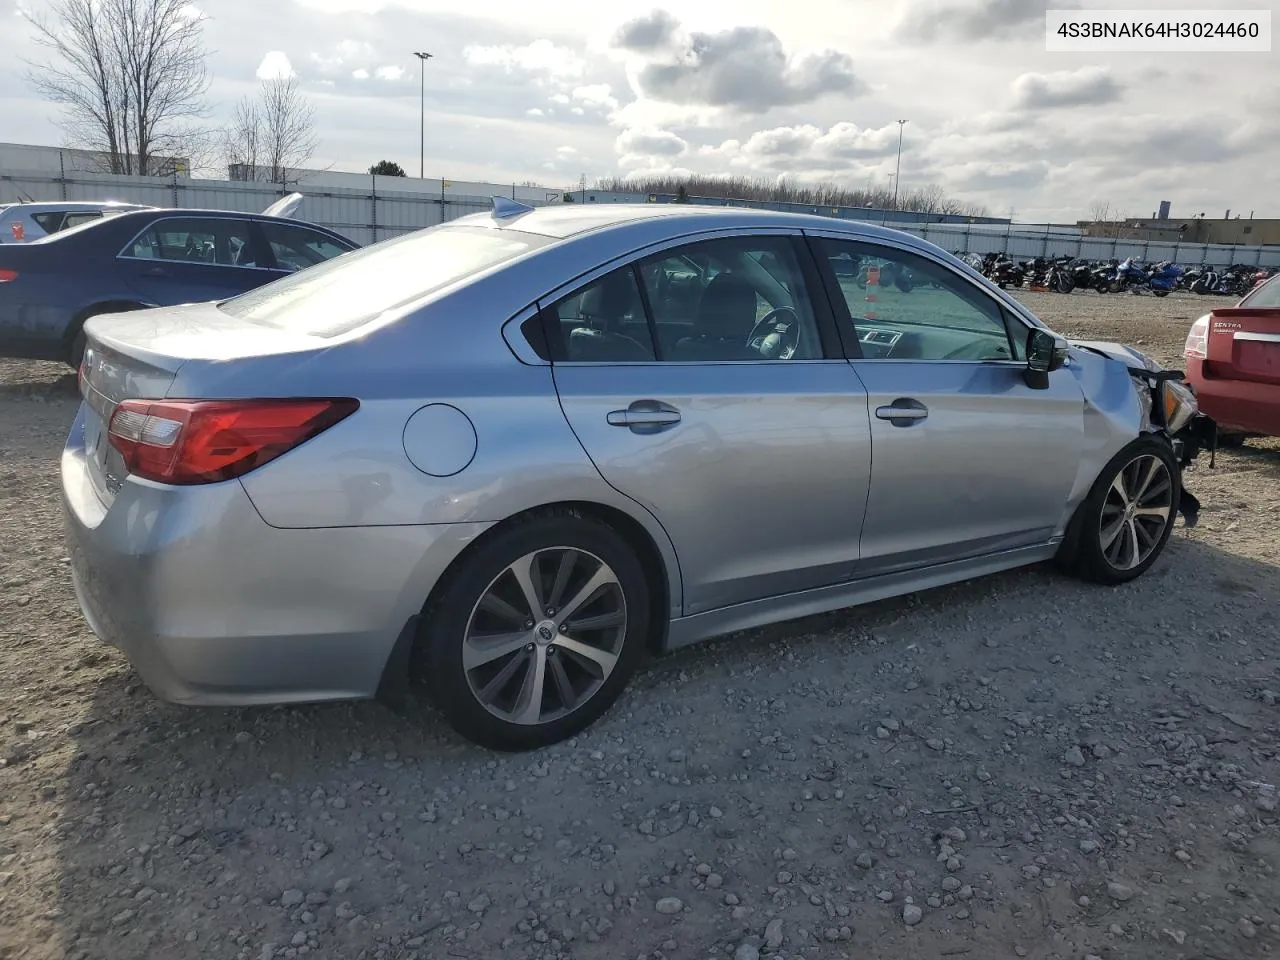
[
  {"x": 389, "y": 209},
  {"x": 1022, "y": 244},
  {"x": 364, "y": 215}
]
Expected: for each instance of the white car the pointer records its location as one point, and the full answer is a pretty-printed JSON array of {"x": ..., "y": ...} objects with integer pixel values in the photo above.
[{"x": 24, "y": 222}]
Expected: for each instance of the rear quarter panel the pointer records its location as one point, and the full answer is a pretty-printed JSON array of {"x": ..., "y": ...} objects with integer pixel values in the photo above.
[{"x": 358, "y": 472}]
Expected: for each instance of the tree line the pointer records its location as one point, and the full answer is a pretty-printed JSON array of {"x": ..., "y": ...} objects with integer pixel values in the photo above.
[{"x": 928, "y": 199}]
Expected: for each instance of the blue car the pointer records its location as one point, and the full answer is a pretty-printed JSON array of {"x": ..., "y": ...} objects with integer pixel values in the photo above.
[{"x": 148, "y": 258}]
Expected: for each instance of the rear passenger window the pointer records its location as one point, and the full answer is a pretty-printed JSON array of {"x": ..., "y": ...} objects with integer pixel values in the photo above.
[{"x": 604, "y": 322}]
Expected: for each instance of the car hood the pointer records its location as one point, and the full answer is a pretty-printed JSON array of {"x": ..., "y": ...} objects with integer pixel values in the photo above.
[{"x": 1129, "y": 356}]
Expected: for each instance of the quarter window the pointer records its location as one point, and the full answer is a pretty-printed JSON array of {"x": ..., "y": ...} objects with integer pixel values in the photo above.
[
  {"x": 219, "y": 242},
  {"x": 906, "y": 307}
]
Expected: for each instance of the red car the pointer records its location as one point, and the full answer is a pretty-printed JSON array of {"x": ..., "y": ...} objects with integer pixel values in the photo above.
[{"x": 1233, "y": 361}]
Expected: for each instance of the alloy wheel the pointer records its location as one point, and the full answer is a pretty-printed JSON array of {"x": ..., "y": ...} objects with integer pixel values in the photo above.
[
  {"x": 1138, "y": 508},
  {"x": 545, "y": 635}
]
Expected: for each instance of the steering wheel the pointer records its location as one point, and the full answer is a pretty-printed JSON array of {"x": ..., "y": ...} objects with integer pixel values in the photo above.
[
  {"x": 782, "y": 341},
  {"x": 973, "y": 350}
]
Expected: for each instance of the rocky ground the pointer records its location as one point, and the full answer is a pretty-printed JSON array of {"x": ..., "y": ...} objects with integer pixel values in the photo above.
[{"x": 1023, "y": 766}]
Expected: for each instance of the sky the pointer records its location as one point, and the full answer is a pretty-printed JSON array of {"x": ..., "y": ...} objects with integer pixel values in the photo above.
[{"x": 810, "y": 90}]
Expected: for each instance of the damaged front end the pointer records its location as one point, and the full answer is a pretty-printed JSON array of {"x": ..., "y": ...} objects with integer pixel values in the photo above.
[{"x": 1170, "y": 409}]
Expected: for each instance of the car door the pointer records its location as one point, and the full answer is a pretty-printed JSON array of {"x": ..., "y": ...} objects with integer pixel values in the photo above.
[
  {"x": 752, "y": 455},
  {"x": 294, "y": 247},
  {"x": 188, "y": 259},
  {"x": 967, "y": 459}
]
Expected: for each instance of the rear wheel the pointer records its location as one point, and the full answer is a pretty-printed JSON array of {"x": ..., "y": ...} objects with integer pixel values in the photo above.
[
  {"x": 76, "y": 343},
  {"x": 1123, "y": 525},
  {"x": 536, "y": 634}
]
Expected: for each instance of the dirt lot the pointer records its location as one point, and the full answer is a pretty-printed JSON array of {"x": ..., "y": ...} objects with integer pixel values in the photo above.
[{"x": 1020, "y": 766}]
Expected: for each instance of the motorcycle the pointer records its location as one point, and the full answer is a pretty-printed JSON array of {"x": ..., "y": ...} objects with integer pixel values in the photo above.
[
  {"x": 1059, "y": 277},
  {"x": 1163, "y": 278}
]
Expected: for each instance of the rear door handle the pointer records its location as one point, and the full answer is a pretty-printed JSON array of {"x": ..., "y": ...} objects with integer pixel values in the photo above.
[
  {"x": 645, "y": 416},
  {"x": 903, "y": 412}
]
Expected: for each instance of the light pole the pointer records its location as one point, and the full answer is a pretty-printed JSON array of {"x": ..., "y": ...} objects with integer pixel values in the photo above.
[
  {"x": 422, "y": 113},
  {"x": 897, "y": 173}
]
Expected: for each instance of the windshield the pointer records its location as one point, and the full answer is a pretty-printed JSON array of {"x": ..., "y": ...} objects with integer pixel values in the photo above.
[
  {"x": 1267, "y": 295},
  {"x": 341, "y": 294}
]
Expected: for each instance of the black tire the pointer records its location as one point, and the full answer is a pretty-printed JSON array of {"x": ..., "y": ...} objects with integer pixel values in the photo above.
[
  {"x": 1231, "y": 441},
  {"x": 1157, "y": 291},
  {"x": 1115, "y": 286},
  {"x": 1064, "y": 283},
  {"x": 1082, "y": 553},
  {"x": 439, "y": 650}
]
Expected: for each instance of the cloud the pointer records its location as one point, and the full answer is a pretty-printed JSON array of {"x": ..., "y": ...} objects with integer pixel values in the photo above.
[
  {"x": 741, "y": 68},
  {"x": 390, "y": 72},
  {"x": 275, "y": 65},
  {"x": 806, "y": 147},
  {"x": 535, "y": 112},
  {"x": 651, "y": 143},
  {"x": 539, "y": 57},
  {"x": 1088, "y": 86},
  {"x": 360, "y": 74},
  {"x": 653, "y": 31},
  {"x": 567, "y": 151},
  {"x": 595, "y": 95},
  {"x": 975, "y": 20}
]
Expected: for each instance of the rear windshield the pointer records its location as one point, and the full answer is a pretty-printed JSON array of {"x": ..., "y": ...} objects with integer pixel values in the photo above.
[
  {"x": 1267, "y": 295},
  {"x": 339, "y": 295}
]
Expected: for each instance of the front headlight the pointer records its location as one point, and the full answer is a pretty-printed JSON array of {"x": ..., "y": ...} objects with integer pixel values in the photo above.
[{"x": 1178, "y": 403}]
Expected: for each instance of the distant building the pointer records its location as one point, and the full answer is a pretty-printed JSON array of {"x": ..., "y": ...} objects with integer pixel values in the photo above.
[
  {"x": 1187, "y": 230},
  {"x": 63, "y": 161}
]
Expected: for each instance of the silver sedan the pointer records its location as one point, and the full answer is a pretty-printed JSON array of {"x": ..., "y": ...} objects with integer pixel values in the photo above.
[{"x": 507, "y": 457}]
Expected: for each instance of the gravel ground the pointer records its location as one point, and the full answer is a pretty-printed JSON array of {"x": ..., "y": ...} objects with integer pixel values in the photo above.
[{"x": 1019, "y": 766}]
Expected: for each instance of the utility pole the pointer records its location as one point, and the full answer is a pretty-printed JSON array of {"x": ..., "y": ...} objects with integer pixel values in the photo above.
[
  {"x": 582, "y": 185},
  {"x": 897, "y": 173},
  {"x": 422, "y": 112}
]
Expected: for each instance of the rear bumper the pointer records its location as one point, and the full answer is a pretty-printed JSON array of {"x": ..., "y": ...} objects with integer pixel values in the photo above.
[
  {"x": 214, "y": 607},
  {"x": 1238, "y": 406}
]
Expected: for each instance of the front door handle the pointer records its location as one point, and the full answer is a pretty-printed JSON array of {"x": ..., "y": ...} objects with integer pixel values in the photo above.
[
  {"x": 645, "y": 416},
  {"x": 903, "y": 412}
]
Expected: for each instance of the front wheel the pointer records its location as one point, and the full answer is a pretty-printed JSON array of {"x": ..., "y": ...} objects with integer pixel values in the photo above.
[
  {"x": 1125, "y": 521},
  {"x": 536, "y": 633}
]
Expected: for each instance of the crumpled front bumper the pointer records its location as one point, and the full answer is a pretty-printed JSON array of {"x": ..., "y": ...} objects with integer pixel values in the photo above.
[{"x": 1200, "y": 434}]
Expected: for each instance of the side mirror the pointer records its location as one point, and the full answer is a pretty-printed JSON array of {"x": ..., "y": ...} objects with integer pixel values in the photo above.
[{"x": 1046, "y": 352}]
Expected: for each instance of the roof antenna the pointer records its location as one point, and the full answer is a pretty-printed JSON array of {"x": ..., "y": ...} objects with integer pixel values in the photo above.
[{"x": 506, "y": 207}]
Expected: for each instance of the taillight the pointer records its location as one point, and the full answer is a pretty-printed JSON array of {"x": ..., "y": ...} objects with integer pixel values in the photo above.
[
  {"x": 207, "y": 441},
  {"x": 1197, "y": 345},
  {"x": 8, "y": 276}
]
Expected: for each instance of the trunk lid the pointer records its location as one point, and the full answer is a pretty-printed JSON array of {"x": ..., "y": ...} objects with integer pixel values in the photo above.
[
  {"x": 1244, "y": 344},
  {"x": 137, "y": 356}
]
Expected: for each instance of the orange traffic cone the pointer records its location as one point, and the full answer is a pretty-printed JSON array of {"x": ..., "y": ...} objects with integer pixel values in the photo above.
[{"x": 873, "y": 284}]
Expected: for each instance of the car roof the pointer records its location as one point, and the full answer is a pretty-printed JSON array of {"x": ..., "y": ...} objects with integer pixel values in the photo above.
[{"x": 564, "y": 222}]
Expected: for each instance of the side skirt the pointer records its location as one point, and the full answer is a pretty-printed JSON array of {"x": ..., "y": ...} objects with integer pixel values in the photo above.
[{"x": 757, "y": 613}]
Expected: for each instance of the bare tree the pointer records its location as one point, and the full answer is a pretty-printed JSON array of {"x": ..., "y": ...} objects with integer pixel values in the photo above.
[
  {"x": 1100, "y": 211},
  {"x": 273, "y": 134},
  {"x": 129, "y": 74}
]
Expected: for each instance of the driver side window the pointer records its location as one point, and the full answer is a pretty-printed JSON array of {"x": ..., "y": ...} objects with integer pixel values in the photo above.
[
  {"x": 906, "y": 307},
  {"x": 731, "y": 299}
]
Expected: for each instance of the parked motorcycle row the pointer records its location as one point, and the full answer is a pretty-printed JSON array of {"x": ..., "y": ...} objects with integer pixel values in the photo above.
[{"x": 1065, "y": 274}]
